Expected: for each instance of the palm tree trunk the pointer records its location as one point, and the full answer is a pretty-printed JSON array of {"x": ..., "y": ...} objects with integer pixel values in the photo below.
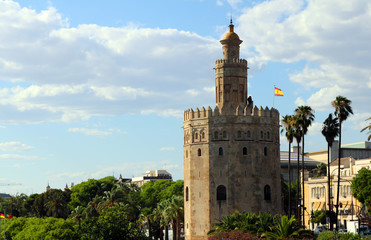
[
  {"x": 174, "y": 229},
  {"x": 166, "y": 232},
  {"x": 328, "y": 185},
  {"x": 298, "y": 188},
  {"x": 289, "y": 169},
  {"x": 161, "y": 233},
  {"x": 302, "y": 177},
  {"x": 338, "y": 189},
  {"x": 149, "y": 229},
  {"x": 178, "y": 228}
]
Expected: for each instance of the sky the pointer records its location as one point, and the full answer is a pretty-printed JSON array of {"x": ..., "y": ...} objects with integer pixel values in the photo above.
[{"x": 92, "y": 88}]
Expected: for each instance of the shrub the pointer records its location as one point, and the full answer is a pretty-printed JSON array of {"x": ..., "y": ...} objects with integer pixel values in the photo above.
[{"x": 233, "y": 235}]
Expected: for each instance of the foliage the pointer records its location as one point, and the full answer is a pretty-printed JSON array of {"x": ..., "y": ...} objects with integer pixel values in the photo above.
[
  {"x": 368, "y": 128},
  {"x": 52, "y": 203},
  {"x": 112, "y": 224},
  {"x": 285, "y": 227},
  {"x": 319, "y": 217},
  {"x": 320, "y": 170},
  {"x": 38, "y": 228},
  {"x": 233, "y": 235},
  {"x": 330, "y": 129},
  {"x": 325, "y": 235},
  {"x": 84, "y": 192},
  {"x": 361, "y": 187}
]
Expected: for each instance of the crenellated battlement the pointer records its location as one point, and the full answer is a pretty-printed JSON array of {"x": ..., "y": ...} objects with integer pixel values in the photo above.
[
  {"x": 248, "y": 110},
  {"x": 233, "y": 60}
]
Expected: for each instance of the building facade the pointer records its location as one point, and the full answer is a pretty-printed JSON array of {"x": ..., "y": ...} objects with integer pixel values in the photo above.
[
  {"x": 316, "y": 192},
  {"x": 231, "y": 152}
]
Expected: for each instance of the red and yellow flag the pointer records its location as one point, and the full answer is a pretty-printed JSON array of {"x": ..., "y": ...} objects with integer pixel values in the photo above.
[
  {"x": 2, "y": 215},
  {"x": 278, "y": 92}
]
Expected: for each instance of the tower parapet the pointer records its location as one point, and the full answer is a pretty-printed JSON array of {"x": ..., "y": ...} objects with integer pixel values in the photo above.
[{"x": 202, "y": 114}]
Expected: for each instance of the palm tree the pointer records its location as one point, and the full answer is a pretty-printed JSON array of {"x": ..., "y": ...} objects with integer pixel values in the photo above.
[
  {"x": 92, "y": 208},
  {"x": 146, "y": 217},
  {"x": 297, "y": 135},
  {"x": 342, "y": 111},
  {"x": 286, "y": 228},
  {"x": 330, "y": 130},
  {"x": 57, "y": 206},
  {"x": 305, "y": 118},
  {"x": 369, "y": 129},
  {"x": 77, "y": 214},
  {"x": 176, "y": 212},
  {"x": 287, "y": 122}
]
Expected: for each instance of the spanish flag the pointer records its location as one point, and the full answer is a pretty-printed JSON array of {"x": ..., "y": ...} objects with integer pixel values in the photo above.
[{"x": 278, "y": 92}]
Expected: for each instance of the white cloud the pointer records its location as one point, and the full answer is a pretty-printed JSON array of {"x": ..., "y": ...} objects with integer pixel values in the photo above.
[
  {"x": 19, "y": 157},
  {"x": 315, "y": 129},
  {"x": 90, "y": 132},
  {"x": 14, "y": 147},
  {"x": 53, "y": 72},
  {"x": 332, "y": 37},
  {"x": 167, "y": 149}
]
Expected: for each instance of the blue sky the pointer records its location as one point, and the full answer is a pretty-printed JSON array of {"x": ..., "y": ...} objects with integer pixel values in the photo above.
[{"x": 95, "y": 88}]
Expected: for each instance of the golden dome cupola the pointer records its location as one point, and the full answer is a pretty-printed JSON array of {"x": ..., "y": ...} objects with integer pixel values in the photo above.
[{"x": 231, "y": 44}]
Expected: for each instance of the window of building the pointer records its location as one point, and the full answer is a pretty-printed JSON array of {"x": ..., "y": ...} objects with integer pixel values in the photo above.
[
  {"x": 196, "y": 135},
  {"x": 248, "y": 134},
  {"x": 267, "y": 193},
  {"x": 244, "y": 151},
  {"x": 268, "y": 136},
  {"x": 199, "y": 152},
  {"x": 261, "y": 134},
  {"x": 216, "y": 135},
  {"x": 221, "y": 193},
  {"x": 265, "y": 151},
  {"x": 203, "y": 135},
  {"x": 239, "y": 134},
  {"x": 220, "y": 151},
  {"x": 224, "y": 134},
  {"x": 187, "y": 194}
]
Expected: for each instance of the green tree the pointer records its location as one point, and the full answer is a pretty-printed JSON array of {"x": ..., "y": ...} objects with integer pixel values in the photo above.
[
  {"x": 297, "y": 131},
  {"x": 305, "y": 115},
  {"x": 361, "y": 187},
  {"x": 38, "y": 228},
  {"x": 112, "y": 224},
  {"x": 368, "y": 128},
  {"x": 56, "y": 205},
  {"x": 320, "y": 170},
  {"x": 287, "y": 122},
  {"x": 284, "y": 228},
  {"x": 342, "y": 111},
  {"x": 83, "y": 193},
  {"x": 330, "y": 130}
]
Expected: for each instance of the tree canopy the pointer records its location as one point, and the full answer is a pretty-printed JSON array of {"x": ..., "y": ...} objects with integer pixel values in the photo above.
[{"x": 361, "y": 186}]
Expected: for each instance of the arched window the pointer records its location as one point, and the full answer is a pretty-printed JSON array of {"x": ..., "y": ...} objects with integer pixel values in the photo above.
[
  {"x": 187, "y": 194},
  {"x": 196, "y": 135},
  {"x": 244, "y": 151},
  {"x": 248, "y": 134},
  {"x": 199, "y": 152},
  {"x": 268, "y": 136},
  {"x": 216, "y": 135},
  {"x": 239, "y": 134},
  {"x": 220, "y": 151},
  {"x": 224, "y": 134},
  {"x": 265, "y": 151},
  {"x": 203, "y": 134},
  {"x": 261, "y": 134},
  {"x": 267, "y": 193},
  {"x": 221, "y": 193}
]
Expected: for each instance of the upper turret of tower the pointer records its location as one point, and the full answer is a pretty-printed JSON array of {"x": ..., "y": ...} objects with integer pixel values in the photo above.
[{"x": 231, "y": 44}]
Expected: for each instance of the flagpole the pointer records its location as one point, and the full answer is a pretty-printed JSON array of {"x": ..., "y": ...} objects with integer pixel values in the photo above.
[{"x": 274, "y": 94}]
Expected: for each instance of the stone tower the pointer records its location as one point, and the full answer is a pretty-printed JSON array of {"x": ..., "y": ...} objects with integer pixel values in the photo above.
[{"x": 231, "y": 153}]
